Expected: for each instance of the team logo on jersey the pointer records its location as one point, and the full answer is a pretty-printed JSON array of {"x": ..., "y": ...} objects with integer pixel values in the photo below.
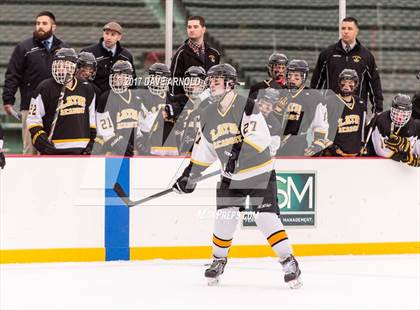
[
  {"x": 212, "y": 58},
  {"x": 74, "y": 105},
  {"x": 356, "y": 58},
  {"x": 296, "y": 200}
]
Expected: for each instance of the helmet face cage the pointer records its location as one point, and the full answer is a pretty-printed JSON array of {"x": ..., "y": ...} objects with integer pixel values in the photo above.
[
  {"x": 120, "y": 82},
  {"x": 158, "y": 84},
  {"x": 400, "y": 117},
  {"x": 193, "y": 86},
  {"x": 63, "y": 70}
]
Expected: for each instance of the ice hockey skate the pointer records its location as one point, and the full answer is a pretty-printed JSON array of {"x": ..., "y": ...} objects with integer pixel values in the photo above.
[
  {"x": 292, "y": 272},
  {"x": 215, "y": 270}
]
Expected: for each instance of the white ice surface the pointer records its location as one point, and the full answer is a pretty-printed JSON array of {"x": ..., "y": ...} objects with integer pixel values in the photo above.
[{"x": 330, "y": 282}]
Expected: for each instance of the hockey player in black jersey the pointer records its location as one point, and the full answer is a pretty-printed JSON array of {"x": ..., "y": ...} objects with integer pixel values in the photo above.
[
  {"x": 157, "y": 128},
  {"x": 185, "y": 108},
  {"x": 346, "y": 117},
  {"x": 266, "y": 100},
  {"x": 86, "y": 69},
  {"x": 119, "y": 111},
  {"x": 301, "y": 112},
  {"x": 276, "y": 68},
  {"x": 233, "y": 131},
  {"x": 63, "y": 108},
  {"x": 396, "y": 134},
  {"x": 2, "y": 158}
]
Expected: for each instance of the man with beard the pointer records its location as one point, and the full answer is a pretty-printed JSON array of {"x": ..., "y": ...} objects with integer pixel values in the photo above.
[{"x": 29, "y": 65}]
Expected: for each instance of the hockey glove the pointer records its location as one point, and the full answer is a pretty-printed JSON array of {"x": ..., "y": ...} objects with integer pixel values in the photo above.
[
  {"x": 2, "y": 160},
  {"x": 397, "y": 144},
  {"x": 172, "y": 111},
  {"x": 43, "y": 145},
  {"x": 232, "y": 163},
  {"x": 316, "y": 148},
  {"x": 183, "y": 184},
  {"x": 89, "y": 146},
  {"x": 121, "y": 147},
  {"x": 414, "y": 161}
]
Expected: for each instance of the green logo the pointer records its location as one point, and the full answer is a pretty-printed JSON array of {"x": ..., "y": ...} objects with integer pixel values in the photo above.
[{"x": 296, "y": 199}]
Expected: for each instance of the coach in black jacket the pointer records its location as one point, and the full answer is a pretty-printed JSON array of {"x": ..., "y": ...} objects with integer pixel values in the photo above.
[
  {"x": 107, "y": 52},
  {"x": 349, "y": 53},
  {"x": 28, "y": 66},
  {"x": 194, "y": 52}
]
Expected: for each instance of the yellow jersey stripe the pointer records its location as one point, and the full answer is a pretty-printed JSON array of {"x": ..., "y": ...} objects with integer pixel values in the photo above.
[
  {"x": 256, "y": 167},
  {"x": 199, "y": 163},
  {"x": 71, "y": 140},
  {"x": 250, "y": 143}
]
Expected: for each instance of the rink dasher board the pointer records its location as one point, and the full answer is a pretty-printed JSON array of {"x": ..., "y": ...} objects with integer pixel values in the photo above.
[{"x": 363, "y": 206}]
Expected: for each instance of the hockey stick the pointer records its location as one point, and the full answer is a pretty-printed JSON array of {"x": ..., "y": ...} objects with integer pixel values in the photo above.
[
  {"x": 57, "y": 110},
  {"x": 363, "y": 151},
  {"x": 131, "y": 203}
]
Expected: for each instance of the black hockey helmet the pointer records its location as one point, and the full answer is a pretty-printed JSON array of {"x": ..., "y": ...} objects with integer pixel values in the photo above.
[
  {"x": 64, "y": 65},
  {"x": 194, "y": 81},
  {"x": 229, "y": 75},
  {"x": 121, "y": 77},
  {"x": 267, "y": 100},
  {"x": 65, "y": 53},
  {"x": 348, "y": 74},
  {"x": 159, "y": 69},
  {"x": 269, "y": 94},
  {"x": 158, "y": 82},
  {"x": 196, "y": 71},
  {"x": 87, "y": 59},
  {"x": 297, "y": 65},
  {"x": 401, "y": 109},
  {"x": 276, "y": 59},
  {"x": 227, "y": 71},
  {"x": 122, "y": 66}
]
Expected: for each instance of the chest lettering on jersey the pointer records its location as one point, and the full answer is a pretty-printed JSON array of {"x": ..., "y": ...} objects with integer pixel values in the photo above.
[
  {"x": 74, "y": 105},
  {"x": 224, "y": 129},
  {"x": 127, "y": 118},
  {"x": 350, "y": 123},
  {"x": 295, "y": 110}
]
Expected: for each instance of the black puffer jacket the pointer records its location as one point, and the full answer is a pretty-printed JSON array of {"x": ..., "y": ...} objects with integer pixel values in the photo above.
[
  {"x": 106, "y": 61},
  {"x": 29, "y": 65}
]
